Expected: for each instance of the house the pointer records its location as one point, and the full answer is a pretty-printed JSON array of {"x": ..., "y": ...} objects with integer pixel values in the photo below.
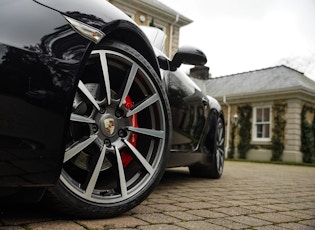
[
  {"x": 269, "y": 113},
  {"x": 156, "y": 14}
]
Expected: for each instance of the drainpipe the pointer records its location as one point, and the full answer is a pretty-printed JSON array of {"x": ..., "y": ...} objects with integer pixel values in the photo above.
[
  {"x": 228, "y": 127},
  {"x": 171, "y": 36}
]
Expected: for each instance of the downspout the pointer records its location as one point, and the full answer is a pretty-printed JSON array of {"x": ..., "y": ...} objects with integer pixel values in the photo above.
[
  {"x": 228, "y": 126},
  {"x": 171, "y": 36}
]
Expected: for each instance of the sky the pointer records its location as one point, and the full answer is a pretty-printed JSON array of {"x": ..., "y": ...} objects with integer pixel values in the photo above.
[{"x": 244, "y": 35}]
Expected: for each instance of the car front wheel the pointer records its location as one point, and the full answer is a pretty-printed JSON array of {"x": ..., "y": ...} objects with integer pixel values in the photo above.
[{"x": 118, "y": 139}]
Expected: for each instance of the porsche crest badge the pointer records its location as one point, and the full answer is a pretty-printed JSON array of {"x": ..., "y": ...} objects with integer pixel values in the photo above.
[{"x": 109, "y": 124}]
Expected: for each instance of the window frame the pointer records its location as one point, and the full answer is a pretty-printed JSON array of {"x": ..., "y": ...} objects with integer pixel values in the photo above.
[
  {"x": 158, "y": 26},
  {"x": 255, "y": 123}
]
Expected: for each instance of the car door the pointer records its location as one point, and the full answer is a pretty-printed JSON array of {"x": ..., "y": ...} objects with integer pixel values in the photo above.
[{"x": 188, "y": 109}]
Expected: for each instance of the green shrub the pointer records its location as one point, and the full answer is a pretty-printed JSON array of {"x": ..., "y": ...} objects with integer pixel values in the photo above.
[
  {"x": 278, "y": 135},
  {"x": 308, "y": 136},
  {"x": 245, "y": 115}
]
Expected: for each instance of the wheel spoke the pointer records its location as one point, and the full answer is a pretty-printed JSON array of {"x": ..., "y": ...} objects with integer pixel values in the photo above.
[
  {"x": 220, "y": 159},
  {"x": 88, "y": 95},
  {"x": 149, "y": 101},
  {"x": 121, "y": 172},
  {"x": 220, "y": 148},
  {"x": 92, "y": 179},
  {"x": 142, "y": 160},
  {"x": 149, "y": 132},
  {"x": 220, "y": 152},
  {"x": 221, "y": 141},
  {"x": 79, "y": 118},
  {"x": 220, "y": 137},
  {"x": 129, "y": 82},
  {"x": 78, "y": 147},
  {"x": 103, "y": 59}
]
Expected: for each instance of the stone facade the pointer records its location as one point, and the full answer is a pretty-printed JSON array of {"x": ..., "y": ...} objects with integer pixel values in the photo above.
[
  {"x": 287, "y": 87},
  {"x": 154, "y": 13},
  {"x": 293, "y": 131}
]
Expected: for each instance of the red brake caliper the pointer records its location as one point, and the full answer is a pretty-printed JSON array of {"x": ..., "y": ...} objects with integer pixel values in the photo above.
[{"x": 125, "y": 156}]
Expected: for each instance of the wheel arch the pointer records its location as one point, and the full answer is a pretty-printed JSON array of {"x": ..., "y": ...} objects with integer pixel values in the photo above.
[
  {"x": 215, "y": 113},
  {"x": 130, "y": 34},
  {"x": 212, "y": 124}
]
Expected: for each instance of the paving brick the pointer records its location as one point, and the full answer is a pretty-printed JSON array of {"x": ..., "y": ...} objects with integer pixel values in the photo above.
[
  {"x": 161, "y": 201},
  {"x": 184, "y": 216},
  {"x": 234, "y": 211},
  {"x": 308, "y": 223},
  {"x": 167, "y": 207},
  {"x": 161, "y": 227},
  {"x": 123, "y": 221},
  {"x": 228, "y": 223},
  {"x": 157, "y": 218},
  {"x": 237, "y": 203},
  {"x": 258, "y": 209},
  {"x": 276, "y": 207},
  {"x": 198, "y": 205},
  {"x": 143, "y": 209},
  {"x": 248, "y": 220},
  {"x": 295, "y": 226},
  {"x": 276, "y": 217},
  {"x": 270, "y": 227},
  {"x": 55, "y": 225},
  {"x": 183, "y": 199},
  {"x": 295, "y": 206},
  {"x": 200, "y": 225},
  {"x": 208, "y": 214},
  {"x": 307, "y": 211},
  {"x": 297, "y": 214}
]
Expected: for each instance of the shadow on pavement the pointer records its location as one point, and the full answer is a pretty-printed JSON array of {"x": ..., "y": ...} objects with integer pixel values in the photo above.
[{"x": 41, "y": 210}]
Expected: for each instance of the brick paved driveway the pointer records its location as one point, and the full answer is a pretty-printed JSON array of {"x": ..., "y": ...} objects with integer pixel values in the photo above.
[{"x": 248, "y": 196}]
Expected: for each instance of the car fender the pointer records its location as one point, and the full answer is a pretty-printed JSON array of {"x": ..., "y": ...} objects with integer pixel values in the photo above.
[
  {"x": 214, "y": 104},
  {"x": 41, "y": 63},
  {"x": 105, "y": 17}
]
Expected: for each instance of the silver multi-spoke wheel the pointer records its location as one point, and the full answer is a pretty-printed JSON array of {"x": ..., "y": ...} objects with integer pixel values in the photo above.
[
  {"x": 220, "y": 146},
  {"x": 118, "y": 136}
]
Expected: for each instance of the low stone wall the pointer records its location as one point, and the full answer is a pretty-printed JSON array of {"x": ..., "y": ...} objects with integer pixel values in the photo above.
[{"x": 265, "y": 155}]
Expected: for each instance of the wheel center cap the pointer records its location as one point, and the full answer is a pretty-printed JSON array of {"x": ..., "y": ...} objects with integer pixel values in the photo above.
[{"x": 108, "y": 126}]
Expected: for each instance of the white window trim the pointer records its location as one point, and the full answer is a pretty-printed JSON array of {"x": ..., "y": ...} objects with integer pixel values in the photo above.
[
  {"x": 254, "y": 126},
  {"x": 159, "y": 26}
]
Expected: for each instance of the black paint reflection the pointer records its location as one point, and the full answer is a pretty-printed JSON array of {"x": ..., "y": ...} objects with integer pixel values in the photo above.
[
  {"x": 188, "y": 112},
  {"x": 45, "y": 73}
]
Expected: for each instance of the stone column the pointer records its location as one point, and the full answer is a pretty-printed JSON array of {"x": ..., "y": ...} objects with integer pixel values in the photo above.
[{"x": 292, "y": 147}]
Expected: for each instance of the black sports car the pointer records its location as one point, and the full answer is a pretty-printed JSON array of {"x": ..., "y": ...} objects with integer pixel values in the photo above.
[{"x": 91, "y": 113}]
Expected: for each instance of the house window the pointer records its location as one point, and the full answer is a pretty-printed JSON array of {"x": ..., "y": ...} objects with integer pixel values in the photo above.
[
  {"x": 262, "y": 124},
  {"x": 154, "y": 24}
]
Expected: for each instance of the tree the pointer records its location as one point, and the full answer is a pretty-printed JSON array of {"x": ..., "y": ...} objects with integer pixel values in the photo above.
[{"x": 304, "y": 64}]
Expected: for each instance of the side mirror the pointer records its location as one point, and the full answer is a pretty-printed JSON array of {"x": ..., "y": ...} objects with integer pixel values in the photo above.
[{"x": 188, "y": 55}]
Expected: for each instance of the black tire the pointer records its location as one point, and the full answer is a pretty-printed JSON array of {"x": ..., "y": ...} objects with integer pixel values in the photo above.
[
  {"x": 119, "y": 136},
  {"x": 215, "y": 144}
]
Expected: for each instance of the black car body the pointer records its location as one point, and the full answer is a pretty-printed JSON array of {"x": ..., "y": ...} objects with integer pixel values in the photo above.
[
  {"x": 197, "y": 119},
  {"x": 81, "y": 85}
]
